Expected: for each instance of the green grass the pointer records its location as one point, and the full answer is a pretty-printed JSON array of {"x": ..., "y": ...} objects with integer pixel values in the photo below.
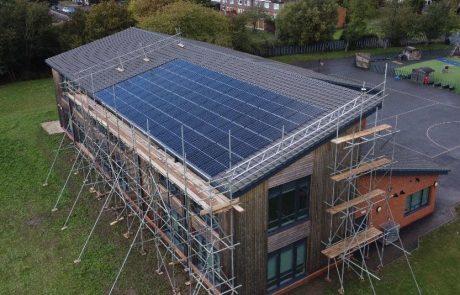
[
  {"x": 36, "y": 257},
  {"x": 351, "y": 53},
  {"x": 451, "y": 78},
  {"x": 435, "y": 264}
]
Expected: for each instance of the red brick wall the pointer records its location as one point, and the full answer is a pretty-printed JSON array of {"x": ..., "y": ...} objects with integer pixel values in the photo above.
[
  {"x": 342, "y": 14},
  {"x": 406, "y": 184}
]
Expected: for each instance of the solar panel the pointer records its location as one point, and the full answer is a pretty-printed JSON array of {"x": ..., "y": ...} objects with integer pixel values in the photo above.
[{"x": 207, "y": 105}]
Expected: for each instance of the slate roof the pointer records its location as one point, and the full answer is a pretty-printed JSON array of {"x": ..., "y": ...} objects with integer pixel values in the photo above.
[
  {"x": 93, "y": 67},
  {"x": 100, "y": 58},
  {"x": 406, "y": 161}
]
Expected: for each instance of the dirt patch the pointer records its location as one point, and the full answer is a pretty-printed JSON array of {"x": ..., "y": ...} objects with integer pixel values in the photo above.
[{"x": 34, "y": 221}]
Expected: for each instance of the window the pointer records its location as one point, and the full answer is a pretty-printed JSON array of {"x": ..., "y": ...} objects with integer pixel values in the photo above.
[
  {"x": 205, "y": 259},
  {"x": 176, "y": 231},
  {"x": 267, "y": 5},
  {"x": 288, "y": 203},
  {"x": 360, "y": 223},
  {"x": 276, "y": 6},
  {"x": 417, "y": 201},
  {"x": 231, "y": 1},
  {"x": 286, "y": 264}
]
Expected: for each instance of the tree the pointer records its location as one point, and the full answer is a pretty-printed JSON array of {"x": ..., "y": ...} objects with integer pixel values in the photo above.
[
  {"x": 359, "y": 11},
  {"x": 307, "y": 21},
  {"x": 438, "y": 20},
  {"x": 240, "y": 37},
  {"x": 399, "y": 21},
  {"x": 194, "y": 20},
  {"x": 26, "y": 37},
  {"x": 73, "y": 31},
  {"x": 255, "y": 14},
  {"x": 144, "y": 8},
  {"x": 107, "y": 18}
]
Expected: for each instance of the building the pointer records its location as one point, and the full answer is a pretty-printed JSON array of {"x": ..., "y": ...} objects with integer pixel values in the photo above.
[
  {"x": 413, "y": 185},
  {"x": 226, "y": 157},
  {"x": 272, "y": 7}
]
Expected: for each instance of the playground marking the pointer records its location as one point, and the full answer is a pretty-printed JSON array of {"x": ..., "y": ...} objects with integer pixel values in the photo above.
[
  {"x": 433, "y": 141},
  {"x": 448, "y": 61}
]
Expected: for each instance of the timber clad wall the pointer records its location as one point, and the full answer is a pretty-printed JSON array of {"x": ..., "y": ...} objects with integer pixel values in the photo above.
[
  {"x": 291, "y": 235},
  {"x": 58, "y": 94},
  {"x": 299, "y": 169},
  {"x": 321, "y": 191},
  {"x": 251, "y": 233}
]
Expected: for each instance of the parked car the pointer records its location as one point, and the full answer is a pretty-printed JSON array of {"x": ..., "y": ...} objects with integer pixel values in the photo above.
[{"x": 68, "y": 10}]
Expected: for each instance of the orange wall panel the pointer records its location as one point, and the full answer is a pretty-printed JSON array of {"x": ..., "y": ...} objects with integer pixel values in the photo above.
[{"x": 401, "y": 188}]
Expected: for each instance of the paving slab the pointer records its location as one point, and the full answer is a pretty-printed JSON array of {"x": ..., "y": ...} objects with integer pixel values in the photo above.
[{"x": 52, "y": 127}]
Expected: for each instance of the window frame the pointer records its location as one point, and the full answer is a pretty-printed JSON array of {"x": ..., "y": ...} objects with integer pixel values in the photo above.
[
  {"x": 296, "y": 271},
  {"x": 413, "y": 205},
  {"x": 277, "y": 197}
]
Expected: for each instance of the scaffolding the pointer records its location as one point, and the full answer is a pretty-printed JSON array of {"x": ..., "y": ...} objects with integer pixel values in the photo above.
[
  {"x": 351, "y": 231},
  {"x": 190, "y": 221}
]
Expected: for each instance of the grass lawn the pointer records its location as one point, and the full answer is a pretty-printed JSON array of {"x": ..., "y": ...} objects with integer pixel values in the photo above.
[
  {"x": 351, "y": 53},
  {"x": 36, "y": 257},
  {"x": 450, "y": 78},
  {"x": 436, "y": 266}
]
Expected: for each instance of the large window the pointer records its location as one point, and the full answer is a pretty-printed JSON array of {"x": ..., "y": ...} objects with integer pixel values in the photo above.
[
  {"x": 417, "y": 201},
  {"x": 286, "y": 264},
  {"x": 288, "y": 203}
]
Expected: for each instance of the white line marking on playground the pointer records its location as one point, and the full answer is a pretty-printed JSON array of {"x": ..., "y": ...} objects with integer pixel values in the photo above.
[
  {"x": 425, "y": 98},
  {"x": 405, "y": 113},
  {"x": 445, "y": 152},
  {"x": 411, "y": 149},
  {"x": 433, "y": 141}
]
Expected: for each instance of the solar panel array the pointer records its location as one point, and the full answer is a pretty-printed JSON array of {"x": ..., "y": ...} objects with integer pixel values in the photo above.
[{"x": 207, "y": 105}]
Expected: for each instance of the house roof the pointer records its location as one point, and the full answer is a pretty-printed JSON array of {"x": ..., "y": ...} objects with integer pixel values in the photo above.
[
  {"x": 276, "y": 94},
  {"x": 406, "y": 161}
]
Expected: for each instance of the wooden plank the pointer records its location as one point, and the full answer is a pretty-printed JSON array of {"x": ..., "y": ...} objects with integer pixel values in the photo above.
[
  {"x": 220, "y": 207},
  {"x": 353, "y": 202},
  {"x": 361, "y": 169},
  {"x": 352, "y": 243},
  {"x": 359, "y": 134}
]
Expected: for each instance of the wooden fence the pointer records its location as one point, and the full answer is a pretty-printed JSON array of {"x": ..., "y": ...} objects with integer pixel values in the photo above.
[{"x": 333, "y": 45}]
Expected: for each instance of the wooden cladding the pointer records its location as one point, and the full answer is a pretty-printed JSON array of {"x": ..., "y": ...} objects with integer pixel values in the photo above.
[
  {"x": 251, "y": 233},
  {"x": 291, "y": 235},
  {"x": 299, "y": 169}
]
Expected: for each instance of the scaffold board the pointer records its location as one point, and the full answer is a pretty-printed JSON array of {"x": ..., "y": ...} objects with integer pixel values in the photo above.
[
  {"x": 353, "y": 202},
  {"x": 352, "y": 243},
  {"x": 361, "y": 169},
  {"x": 359, "y": 134}
]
